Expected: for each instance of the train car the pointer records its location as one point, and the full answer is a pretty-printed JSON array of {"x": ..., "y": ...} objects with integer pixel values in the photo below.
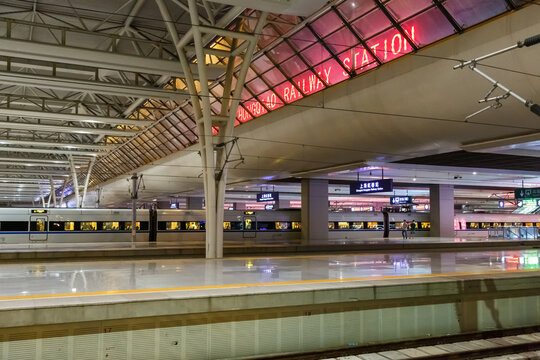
[{"x": 187, "y": 227}]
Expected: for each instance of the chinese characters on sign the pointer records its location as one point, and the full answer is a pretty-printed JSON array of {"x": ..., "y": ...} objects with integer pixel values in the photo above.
[
  {"x": 364, "y": 187},
  {"x": 269, "y": 196},
  {"x": 397, "y": 200},
  {"x": 527, "y": 193}
]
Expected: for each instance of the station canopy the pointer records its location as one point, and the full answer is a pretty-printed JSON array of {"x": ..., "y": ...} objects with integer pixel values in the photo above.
[{"x": 100, "y": 85}]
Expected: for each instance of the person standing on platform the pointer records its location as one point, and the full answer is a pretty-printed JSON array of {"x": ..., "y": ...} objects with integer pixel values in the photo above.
[
  {"x": 413, "y": 228},
  {"x": 404, "y": 227}
]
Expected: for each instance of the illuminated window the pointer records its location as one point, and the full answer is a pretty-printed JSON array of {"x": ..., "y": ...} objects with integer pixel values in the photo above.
[
  {"x": 193, "y": 225},
  {"x": 340, "y": 40},
  {"x": 293, "y": 66},
  {"x": 485, "y": 225},
  {"x": 282, "y": 225},
  {"x": 496, "y": 224},
  {"x": 127, "y": 225},
  {"x": 111, "y": 225},
  {"x": 425, "y": 225},
  {"x": 473, "y": 225},
  {"x": 302, "y": 39},
  {"x": 358, "y": 225},
  {"x": 528, "y": 224},
  {"x": 172, "y": 225},
  {"x": 227, "y": 225},
  {"x": 372, "y": 224},
  {"x": 88, "y": 225},
  {"x": 343, "y": 225},
  {"x": 331, "y": 225},
  {"x": 274, "y": 76},
  {"x": 249, "y": 224},
  {"x": 296, "y": 225},
  {"x": 315, "y": 54},
  {"x": 281, "y": 52}
]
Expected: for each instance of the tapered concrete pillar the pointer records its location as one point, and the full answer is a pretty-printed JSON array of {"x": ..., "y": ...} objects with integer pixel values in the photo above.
[
  {"x": 441, "y": 200},
  {"x": 194, "y": 203},
  {"x": 314, "y": 211}
]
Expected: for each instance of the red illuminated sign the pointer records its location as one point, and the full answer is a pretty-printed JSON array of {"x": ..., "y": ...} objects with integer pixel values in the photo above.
[{"x": 387, "y": 46}]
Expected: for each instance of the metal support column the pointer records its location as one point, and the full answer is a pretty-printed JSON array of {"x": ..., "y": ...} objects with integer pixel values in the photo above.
[
  {"x": 213, "y": 149},
  {"x": 75, "y": 181},
  {"x": 63, "y": 191},
  {"x": 87, "y": 180},
  {"x": 53, "y": 191},
  {"x": 134, "y": 195}
]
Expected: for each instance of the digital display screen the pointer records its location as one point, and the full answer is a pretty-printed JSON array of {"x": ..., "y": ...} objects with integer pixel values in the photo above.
[
  {"x": 366, "y": 187},
  {"x": 39, "y": 211},
  {"x": 397, "y": 200},
  {"x": 267, "y": 196}
]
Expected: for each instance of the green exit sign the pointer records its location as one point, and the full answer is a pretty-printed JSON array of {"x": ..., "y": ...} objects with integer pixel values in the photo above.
[{"x": 527, "y": 193}]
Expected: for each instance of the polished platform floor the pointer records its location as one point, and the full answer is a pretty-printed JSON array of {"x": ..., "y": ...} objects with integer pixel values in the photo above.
[
  {"x": 376, "y": 240},
  {"x": 20, "y": 282}
]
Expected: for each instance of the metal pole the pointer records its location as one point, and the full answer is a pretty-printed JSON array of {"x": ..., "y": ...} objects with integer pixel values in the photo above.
[
  {"x": 63, "y": 191},
  {"x": 87, "y": 180},
  {"x": 498, "y": 84},
  {"x": 134, "y": 194},
  {"x": 75, "y": 181},
  {"x": 53, "y": 191}
]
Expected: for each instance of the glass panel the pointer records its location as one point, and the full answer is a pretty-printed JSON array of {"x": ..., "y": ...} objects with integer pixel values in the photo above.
[
  {"x": 308, "y": 82},
  {"x": 358, "y": 59},
  {"x": 172, "y": 225},
  {"x": 293, "y": 66},
  {"x": 273, "y": 76},
  {"x": 88, "y": 225},
  {"x": 302, "y": 39},
  {"x": 288, "y": 92},
  {"x": 262, "y": 64},
  {"x": 270, "y": 100},
  {"x": 242, "y": 115},
  {"x": 111, "y": 225},
  {"x": 428, "y": 27},
  {"x": 268, "y": 35},
  {"x": 351, "y": 9},
  {"x": 389, "y": 45},
  {"x": 315, "y": 54},
  {"x": 250, "y": 74},
  {"x": 331, "y": 72},
  {"x": 470, "y": 12},
  {"x": 255, "y": 108},
  {"x": 284, "y": 23},
  {"x": 371, "y": 24},
  {"x": 193, "y": 225},
  {"x": 281, "y": 52},
  {"x": 341, "y": 40},
  {"x": 69, "y": 226},
  {"x": 401, "y": 9},
  {"x": 327, "y": 24},
  {"x": 257, "y": 86}
]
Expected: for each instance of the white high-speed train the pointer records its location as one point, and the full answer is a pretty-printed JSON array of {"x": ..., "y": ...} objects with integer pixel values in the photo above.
[{"x": 19, "y": 226}]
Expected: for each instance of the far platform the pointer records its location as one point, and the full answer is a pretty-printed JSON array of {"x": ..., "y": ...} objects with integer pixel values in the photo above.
[{"x": 57, "y": 251}]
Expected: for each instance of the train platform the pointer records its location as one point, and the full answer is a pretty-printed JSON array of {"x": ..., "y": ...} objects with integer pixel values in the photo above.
[
  {"x": 57, "y": 251},
  {"x": 254, "y": 306}
]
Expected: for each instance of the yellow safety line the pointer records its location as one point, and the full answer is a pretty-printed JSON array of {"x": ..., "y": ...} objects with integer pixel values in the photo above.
[{"x": 227, "y": 286}]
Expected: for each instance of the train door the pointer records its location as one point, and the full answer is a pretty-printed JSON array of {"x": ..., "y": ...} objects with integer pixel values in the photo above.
[
  {"x": 38, "y": 228},
  {"x": 249, "y": 227}
]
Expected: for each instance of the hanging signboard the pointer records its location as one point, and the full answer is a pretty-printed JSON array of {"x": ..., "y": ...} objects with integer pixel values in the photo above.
[
  {"x": 527, "y": 193},
  {"x": 267, "y": 196},
  {"x": 398, "y": 200},
  {"x": 366, "y": 187}
]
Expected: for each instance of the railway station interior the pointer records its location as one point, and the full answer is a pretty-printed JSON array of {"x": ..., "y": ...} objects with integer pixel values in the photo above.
[{"x": 269, "y": 179}]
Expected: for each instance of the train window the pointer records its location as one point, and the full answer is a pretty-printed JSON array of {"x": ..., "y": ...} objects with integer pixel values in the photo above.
[
  {"x": 236, "y": 225},
  {"x": 56, "y": 226},
  {"x": 226, "y": 225},
  {"x": 283, "y": 225},
  {"x": 425, "y": 225},
  {"x": 496, "y": 224},
  {"x": 342, "y": 225},
  {"x": 372, "y": 224},
  {"x": 14, "y": 226},
  {"x": 331, "y": 225},
  {"x": 69, "y": 226},
  {"x": 127, "y": 225},
  {"x": 507, "y": 224},
  {"x": 537, "y": 224},
  {"x": 528, "y": 224},
  {"x": 296, "y": 225},
  {"x": 38, "y": 225},
  {"x": 472, "y": 225},
  {"x": 265, "y": 225},
  {"x": 485, "y": 225},
  {"x": 111, "y": 225},
  {"x": 358, "y": 225},
  {"x": 193, "y": 225},
  {"x": 518, "y": 224},
  {"x": 172, "y": 225},
  {"x": 249, "y": 224},
  {"x": 88, "y": 225}
]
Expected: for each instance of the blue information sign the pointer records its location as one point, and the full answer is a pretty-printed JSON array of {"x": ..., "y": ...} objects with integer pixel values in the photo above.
[
  {"x": 398, "y": 200},
  {"x": 267, "y": 196},
  {"x": 365, "y": 187}
]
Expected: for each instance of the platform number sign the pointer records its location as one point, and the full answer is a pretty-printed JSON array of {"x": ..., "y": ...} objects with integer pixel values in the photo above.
[
  {"x": 501, "y": 203},
  {"x": 365, "y": 187},
  {"x": 519, "y": 203},
  {"x": 268, "y": 196},
  {"x": 397, "y": 200}
]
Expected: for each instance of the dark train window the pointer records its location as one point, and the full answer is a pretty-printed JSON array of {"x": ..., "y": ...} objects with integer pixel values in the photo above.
[
  {"x": 266, "y": 225},
  {"x": 236, "y": 225},
  {"x": 14, "y": 226},
  {"x": 56, "y": 226},
  {"x": 144, "y": 225}
]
